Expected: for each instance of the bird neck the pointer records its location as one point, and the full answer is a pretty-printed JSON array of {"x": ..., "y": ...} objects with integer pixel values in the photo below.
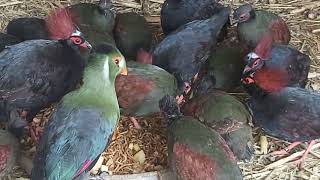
[{"x": 97, "y": 91}]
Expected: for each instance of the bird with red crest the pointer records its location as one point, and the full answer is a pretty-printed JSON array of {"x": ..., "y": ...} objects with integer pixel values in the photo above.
[
  {"x": 253, "y": 24},
  {"x": 37, "y": 73},
  {"x": 275, "y": 66}
]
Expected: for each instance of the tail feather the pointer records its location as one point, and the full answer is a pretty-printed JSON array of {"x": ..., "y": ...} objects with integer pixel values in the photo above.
[{"x": 170, "y": 108}]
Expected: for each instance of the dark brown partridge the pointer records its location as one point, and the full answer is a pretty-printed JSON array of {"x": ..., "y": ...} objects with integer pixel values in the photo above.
[
  {"x": 226, "y": 115},
  {"x": 254, "y": 24},
  {"x": 185, "y": 51},
  {"x": 287, "y": 62},
  {"x": 292, "y": 114},
  {"x": 196, "y": 151},
  {"x": 36, "y": 73}
]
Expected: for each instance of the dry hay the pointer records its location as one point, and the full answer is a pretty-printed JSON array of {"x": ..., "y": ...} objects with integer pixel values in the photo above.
[{"x": 303, "y": 17}]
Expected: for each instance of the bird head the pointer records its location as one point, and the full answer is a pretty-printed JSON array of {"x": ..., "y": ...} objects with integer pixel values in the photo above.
[
  {"x": 255, "y": 60},
  {"x": 253, "y": 63},
  {"x": 169, "y": 108},
  {"x": 243, "y": 13},
  {"x": 115, "y": 62},
  {"x": 60, "y": 27}
]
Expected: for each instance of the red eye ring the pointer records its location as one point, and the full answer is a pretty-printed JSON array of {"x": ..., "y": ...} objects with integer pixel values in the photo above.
[{"x": 77, "y": 40}]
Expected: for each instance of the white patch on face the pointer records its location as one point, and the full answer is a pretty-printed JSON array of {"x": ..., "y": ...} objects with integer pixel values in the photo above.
[
  {"x": 252, "y": 55},
  {"x": 106, "y": 71},
  {"x": 76, "y": 33}
]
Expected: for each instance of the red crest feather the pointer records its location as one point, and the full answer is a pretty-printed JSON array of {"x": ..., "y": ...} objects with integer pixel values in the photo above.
[
  {"x": 280, "y": 32},
  {"x": 263, "y": 49},
  {"x": 59, "y": 24},
  {"x": 271, "y": 80}
]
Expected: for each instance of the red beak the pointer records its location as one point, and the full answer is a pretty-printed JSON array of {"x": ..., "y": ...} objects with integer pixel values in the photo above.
[{"x": 247, "y": 80}]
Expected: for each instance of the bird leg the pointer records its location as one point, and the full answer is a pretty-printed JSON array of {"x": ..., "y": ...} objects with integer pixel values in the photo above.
[
  {"x": 135, "y": 123},
  {"x": 286, "y": 150},
  {"x": 180, "y": 100},
  {"x": 35, "y": 131},
  {"x": 299, "y": 162}
]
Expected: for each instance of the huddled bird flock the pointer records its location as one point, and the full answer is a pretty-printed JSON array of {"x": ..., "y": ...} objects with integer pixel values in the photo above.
[{"x": 96, "y": 64}]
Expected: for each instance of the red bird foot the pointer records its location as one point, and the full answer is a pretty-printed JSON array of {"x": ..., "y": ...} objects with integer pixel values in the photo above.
[
  {"x": 286, "y": 150},
  {"x": 135, "y": 123},
  {"x": 299, "y": 163}
]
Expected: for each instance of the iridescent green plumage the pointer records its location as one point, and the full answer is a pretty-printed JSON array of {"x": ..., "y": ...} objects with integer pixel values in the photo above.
[
  {"x": 196, "y": 151},
  {"x": 83, "y": 122},
  {"x": 253, "y": 25},
  {"x": 94, "y": 21},
  {"x": 131, "y": 34},
  {"x": 226, "y": 115}
]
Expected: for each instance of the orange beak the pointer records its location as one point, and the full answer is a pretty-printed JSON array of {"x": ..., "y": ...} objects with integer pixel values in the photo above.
[{"x": 124, "y": 72}]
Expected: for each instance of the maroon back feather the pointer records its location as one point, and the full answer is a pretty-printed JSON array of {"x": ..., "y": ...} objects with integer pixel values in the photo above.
[
  {"x": 59, "y": 24},
  {"x": 271, "y": 80},
  {"x": 264, "y": 47},
  {"x": 132, "y": 89},
  {"x": 280, "y": 32}
]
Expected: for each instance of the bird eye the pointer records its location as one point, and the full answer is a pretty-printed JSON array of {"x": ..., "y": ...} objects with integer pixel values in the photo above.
[
  {"x": 243, "y": 16},
  {"x": 256, "y": 63},
  {"x": 77, "y": 40},
  {"x": 117, "y": 61}
]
